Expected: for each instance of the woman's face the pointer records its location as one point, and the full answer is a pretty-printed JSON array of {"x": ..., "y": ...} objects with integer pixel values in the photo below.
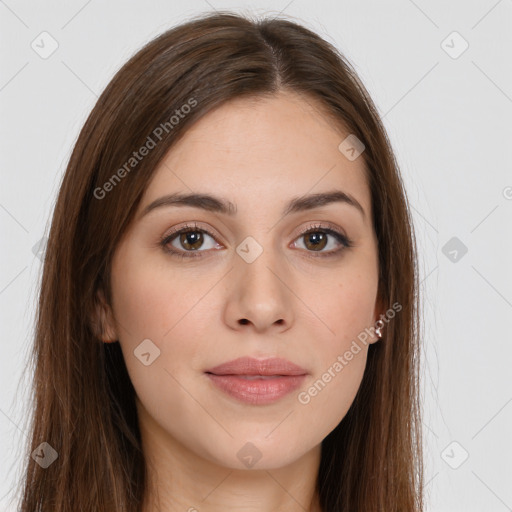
[{"x": 248, "y": 283}]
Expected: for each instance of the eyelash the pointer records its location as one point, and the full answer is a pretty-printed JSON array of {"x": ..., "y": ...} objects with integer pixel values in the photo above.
[{"x": 341, "y": 238}]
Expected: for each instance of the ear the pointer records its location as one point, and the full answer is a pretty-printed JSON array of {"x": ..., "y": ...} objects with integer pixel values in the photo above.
[
  {"x": 103, "y": 323},
  {"x": 377, "y": 315}
]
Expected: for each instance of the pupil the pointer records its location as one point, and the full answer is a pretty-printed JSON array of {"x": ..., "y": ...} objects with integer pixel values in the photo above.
[
  {"x": 192, "y": 238},
  {"x": 316, "y": 240}
]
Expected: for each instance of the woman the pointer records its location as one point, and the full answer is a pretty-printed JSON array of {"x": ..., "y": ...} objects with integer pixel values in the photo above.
[{"x": 228, "y": 313}]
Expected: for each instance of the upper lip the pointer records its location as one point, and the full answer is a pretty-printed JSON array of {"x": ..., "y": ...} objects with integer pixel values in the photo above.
[{"x": 252, "y": 366}]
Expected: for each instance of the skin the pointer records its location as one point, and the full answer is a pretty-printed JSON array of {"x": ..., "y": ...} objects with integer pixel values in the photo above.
[{"x": 258, "y": 154}]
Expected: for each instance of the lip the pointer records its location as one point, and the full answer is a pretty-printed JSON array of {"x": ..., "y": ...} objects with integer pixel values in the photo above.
[
  {"x": 253, "y": 366},
  {"x": 257, "y": 381}
]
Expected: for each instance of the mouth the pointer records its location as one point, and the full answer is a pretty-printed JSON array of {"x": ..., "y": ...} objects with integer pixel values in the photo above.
[
  {"x": 257, "y": 382},
  {"x": 254, "y": 377}
]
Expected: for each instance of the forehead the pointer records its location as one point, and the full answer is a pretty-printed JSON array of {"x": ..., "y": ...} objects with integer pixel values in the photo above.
[{"x": 261, "y": 151}]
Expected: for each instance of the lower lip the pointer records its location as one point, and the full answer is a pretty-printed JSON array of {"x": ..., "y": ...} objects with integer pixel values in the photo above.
[{"x": 257, "y": 391}]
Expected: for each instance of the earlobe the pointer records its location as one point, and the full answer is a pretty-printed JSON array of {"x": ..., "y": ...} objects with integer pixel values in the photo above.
[
  {"x": 102, "y": 323},
  {"x": 378, "y": 323}
]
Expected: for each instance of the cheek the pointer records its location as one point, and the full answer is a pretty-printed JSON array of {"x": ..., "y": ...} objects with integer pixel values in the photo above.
[
  {"x": 150, "y": 301},
  {"x": 344, "y": 308},
  {"x": 147, "y": 308},
  {"x": 152, "y": 304},
  {"x": 332, "y": 390},
  {"x": 335, "y": 392}
]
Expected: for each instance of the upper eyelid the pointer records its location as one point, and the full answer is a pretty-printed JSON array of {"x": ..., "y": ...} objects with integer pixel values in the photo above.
[{"x": 189, "y": 227}]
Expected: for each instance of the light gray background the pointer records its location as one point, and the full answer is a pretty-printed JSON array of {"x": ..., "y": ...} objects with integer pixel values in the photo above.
[{"x": 449, "y": 122}]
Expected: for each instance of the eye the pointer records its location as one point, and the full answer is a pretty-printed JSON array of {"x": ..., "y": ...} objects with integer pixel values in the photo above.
[
  {"x": 316, "y": 238},
  {"x": 187, "y": 240}
]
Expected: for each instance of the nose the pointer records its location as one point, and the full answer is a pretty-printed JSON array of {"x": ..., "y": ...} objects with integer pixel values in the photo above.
[{"x": 259, "y": 297}]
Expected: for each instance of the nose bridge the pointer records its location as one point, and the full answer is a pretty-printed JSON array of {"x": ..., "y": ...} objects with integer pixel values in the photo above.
[
  {"x": 258, "y": 262},
  {"x": 262, "y": 295}
]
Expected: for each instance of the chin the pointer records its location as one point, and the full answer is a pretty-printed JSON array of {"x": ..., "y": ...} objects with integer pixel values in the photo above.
[{"x": 257, "y": 453}]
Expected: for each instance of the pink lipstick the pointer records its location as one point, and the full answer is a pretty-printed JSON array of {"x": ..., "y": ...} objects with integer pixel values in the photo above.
[{"x": 257, "y": 381}]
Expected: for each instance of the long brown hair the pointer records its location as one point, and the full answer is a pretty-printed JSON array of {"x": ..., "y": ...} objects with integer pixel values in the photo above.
[{"x": 83, "y": 399}]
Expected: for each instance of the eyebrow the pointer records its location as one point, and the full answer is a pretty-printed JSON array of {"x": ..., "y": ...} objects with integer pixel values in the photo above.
[{"x": 218, "y": 205}]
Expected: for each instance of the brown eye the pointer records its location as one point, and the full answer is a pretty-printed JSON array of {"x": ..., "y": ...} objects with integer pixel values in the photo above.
[
  {"x": 316, "y": 241},
  {"x": 318, "y": 238},
  {"x": 191, "y": 240}
]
